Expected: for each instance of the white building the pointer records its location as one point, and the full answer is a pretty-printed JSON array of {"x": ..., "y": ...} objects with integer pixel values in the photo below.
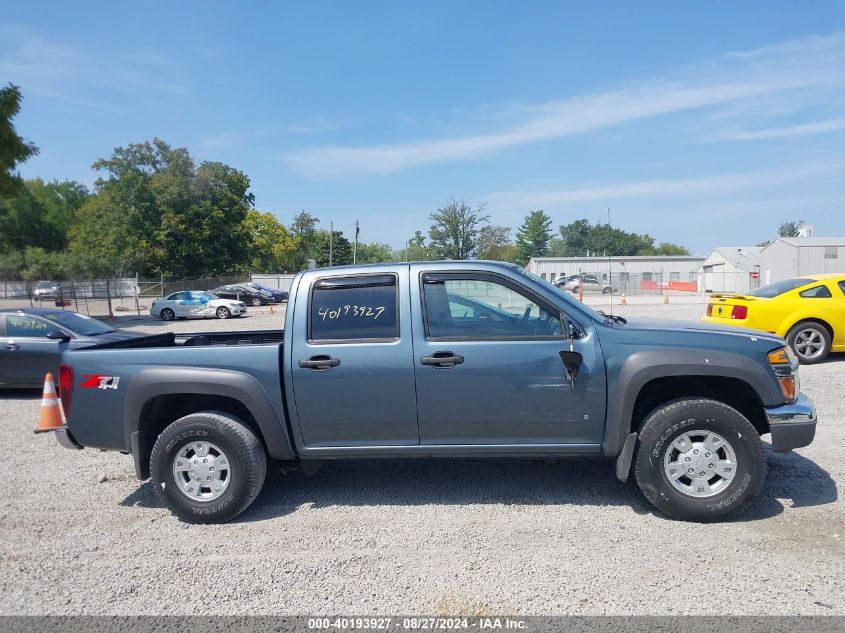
[
  {"x": 634, "y": 273},
  {"x": 788, "y": 257},
  {"x": 731, "y": 269}
]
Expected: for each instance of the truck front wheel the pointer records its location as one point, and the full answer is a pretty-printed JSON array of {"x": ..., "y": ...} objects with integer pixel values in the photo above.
[
  {"x": 208, "y": 467},
  {"x": 699, "y": 460}
]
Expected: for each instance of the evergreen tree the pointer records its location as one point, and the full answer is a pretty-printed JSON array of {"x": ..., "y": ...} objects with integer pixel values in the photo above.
[{"x": 534, "y": 235}]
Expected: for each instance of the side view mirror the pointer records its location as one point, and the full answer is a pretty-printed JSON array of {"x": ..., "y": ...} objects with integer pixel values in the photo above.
[{"x": 57, "y": 335}]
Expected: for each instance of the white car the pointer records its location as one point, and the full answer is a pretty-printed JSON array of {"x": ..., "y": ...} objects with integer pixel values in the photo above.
[
  {"x": 591, "y": 284},
  {"x": 195, "y": 305},
  {"x": 45, "y": 290}
]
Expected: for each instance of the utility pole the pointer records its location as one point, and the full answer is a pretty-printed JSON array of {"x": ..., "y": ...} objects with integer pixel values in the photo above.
[
  {"x": 355, "y": 248},
  {"x": 331, "y": 240}
]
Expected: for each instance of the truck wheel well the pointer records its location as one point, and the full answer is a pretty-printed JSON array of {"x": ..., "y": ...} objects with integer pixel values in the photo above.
[
  {"x": 161, "y": 411},
  {"x": 732, "y": 391}
]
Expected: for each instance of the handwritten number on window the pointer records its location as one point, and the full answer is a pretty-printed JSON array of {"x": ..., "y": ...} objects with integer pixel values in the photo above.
[{"x": 365, "y": 312}]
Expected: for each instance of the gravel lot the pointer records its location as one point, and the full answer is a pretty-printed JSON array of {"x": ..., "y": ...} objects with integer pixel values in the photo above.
[{"x": 79, "y": 534}]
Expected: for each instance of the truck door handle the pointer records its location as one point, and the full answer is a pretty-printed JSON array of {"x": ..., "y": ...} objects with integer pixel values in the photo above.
[
  {"x": 321, "y": 362},
  {"x": 442, "y": 360},
  {"x": 12, "y": 346}
]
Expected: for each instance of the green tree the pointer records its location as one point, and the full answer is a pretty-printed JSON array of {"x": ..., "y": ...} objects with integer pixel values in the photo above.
[
  {"x": 14, "y": 149},
  {"x": 534, "y": 235},
  {"x": 494, "y": 242},
  {"x": 339, "y": 250},
  {"x": 416, "y": 250},
  {"x": 40, "y": 214},
  {"x": 666, "y": 248},
  {"x": 304, "y": 227},
  {"x": 374, "y": 253},
  {"x": 574, "y": 239},
  {"x": 789, "y": 229},
  {"x": 272, "y": 248},
  {"x": 454, "y": 232},
  {"x": 581, "y": 238},
  {"x": 156, "y": 211}
]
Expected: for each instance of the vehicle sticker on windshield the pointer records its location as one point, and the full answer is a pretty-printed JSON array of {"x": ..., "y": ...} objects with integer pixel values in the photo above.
[{"x": 97, "y": 381}]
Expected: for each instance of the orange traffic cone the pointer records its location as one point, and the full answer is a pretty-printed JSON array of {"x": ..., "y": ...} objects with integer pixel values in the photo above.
[
  {"x": 51, "y": 415},
  {"x": 271, "y": 308},
  {"x": 623, "y": 301},
  {"x": 665, "y": 298}
]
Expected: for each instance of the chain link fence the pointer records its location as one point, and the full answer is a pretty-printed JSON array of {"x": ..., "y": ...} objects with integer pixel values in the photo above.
[{"x": 660, "y": 283}]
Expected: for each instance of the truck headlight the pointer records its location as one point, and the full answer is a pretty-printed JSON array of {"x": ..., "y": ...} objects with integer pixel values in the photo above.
[{"x": 785, "y": 365}]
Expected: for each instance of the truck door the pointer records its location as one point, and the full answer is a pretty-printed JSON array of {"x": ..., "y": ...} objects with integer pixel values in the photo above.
[
  {"x": 353, "y": 372},
  {"x": 489, "y": 369}
]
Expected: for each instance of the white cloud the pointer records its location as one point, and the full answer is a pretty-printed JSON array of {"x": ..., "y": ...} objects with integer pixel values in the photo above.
[
  {"x": 70, "y": 74},
  {"x": 223, "y": 139},
  {"x": 806, "y": 129},
  {"x": 666, "y": 188},
  {"x": 793, "y": 67}
]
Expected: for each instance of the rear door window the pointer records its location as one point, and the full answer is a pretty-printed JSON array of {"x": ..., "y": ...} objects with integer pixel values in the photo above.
[
  {"x": 355, "y": 308},
  {"x": 25, "y": 326}
]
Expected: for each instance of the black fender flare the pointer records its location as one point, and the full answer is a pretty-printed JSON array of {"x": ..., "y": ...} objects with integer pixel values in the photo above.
[
  {"x": 159, "y": 381},
  {"x": 642, "y": 367}
]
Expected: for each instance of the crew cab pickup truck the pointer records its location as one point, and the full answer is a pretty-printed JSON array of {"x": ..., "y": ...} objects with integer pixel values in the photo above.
[{"x": 440, "y": 359}]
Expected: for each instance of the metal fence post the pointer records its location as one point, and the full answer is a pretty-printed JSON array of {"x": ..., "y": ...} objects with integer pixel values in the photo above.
[{"x": 108, "y": 297}]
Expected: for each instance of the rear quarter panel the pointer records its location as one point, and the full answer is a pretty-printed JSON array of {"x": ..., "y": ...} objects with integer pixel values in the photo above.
[{"x": 97, "y": 414}]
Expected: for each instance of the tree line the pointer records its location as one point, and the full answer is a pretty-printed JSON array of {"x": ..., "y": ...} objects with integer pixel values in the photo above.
[{"x": 155, "y": 210}]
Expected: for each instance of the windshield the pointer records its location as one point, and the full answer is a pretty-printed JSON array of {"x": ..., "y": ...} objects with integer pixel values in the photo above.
[
  {"x": 78, "y": 323},
  {"x": 207, "y": 295},
  {"x": 560, "y": 292},
  {"x": 44, "y": 285},
  {"x": 775, "y": 289}
]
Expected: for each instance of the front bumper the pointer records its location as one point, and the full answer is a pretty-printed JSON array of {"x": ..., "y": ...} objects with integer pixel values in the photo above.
[{"x": 792, "y": 425}]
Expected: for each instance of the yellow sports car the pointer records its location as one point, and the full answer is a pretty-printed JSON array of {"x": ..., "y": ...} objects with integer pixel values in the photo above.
[{"x": 809, "y": 312}]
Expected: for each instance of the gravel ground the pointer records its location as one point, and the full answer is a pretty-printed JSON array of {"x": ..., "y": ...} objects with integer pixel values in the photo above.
[{"x": 79, "y": 534}]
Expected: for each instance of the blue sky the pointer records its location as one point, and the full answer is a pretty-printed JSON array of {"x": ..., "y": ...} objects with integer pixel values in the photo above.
[{"x": 700, "y": 123}]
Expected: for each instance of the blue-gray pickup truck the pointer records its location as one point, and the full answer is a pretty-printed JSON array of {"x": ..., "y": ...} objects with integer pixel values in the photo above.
[{"x": 440, "y": 359}]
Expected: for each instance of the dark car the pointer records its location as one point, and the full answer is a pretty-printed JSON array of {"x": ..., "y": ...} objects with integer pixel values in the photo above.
[
  {"x": 32, "y": 341},
  {"x": 245, "y": 293},
  {"x": 280, "y": 296}
]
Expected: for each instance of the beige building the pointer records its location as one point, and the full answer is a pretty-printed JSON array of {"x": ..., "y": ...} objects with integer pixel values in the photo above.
[{"x": 731, "y": 269}]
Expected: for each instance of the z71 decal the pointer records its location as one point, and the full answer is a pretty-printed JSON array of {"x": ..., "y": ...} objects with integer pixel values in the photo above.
[{"x": 96, "y": 381}]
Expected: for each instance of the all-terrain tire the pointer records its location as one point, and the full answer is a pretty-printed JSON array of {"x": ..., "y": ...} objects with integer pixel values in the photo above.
[
  {"x": 683, "y": 422},
  {"x": 244, "y": 452}
]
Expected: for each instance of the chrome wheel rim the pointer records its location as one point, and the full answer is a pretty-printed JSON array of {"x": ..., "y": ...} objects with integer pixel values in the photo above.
[
  {"x": 700, "y": 463},
  {"x": 167, "y": 315},
  {"x": 809, "y": 343},
  {"x": 222, "y": 313},
  {"x": 201, "y": 471}
]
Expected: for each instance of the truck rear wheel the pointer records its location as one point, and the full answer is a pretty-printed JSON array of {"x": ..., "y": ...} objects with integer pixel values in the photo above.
[
  {"x": 699, "y": 460},
  {"x": 208, "y": 467}
]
